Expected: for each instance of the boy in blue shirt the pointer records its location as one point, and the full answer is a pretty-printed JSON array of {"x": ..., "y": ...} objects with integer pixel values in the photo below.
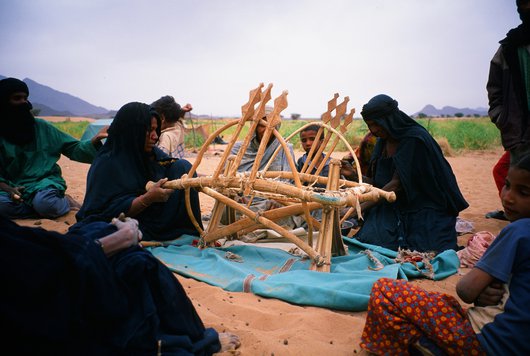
[{"x": 402, "y": 316}]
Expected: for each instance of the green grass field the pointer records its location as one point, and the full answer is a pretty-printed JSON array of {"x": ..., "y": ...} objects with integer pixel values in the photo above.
[{"x": 462, "y": 134}]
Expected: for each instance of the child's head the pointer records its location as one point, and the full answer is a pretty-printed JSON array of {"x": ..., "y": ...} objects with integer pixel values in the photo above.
[
  {"x": 168, "y": 109},
  {"x": 515, "y": 194},
  {"x": 307, "y": 137}
]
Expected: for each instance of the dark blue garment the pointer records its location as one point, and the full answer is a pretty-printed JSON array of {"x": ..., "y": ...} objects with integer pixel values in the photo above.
[
  {"x": 63, "y": 296},
  {"x": 323, "y": 173},
  {"x": 424, "y": 215},
  {"x": 507, "y": 261},
  {"x": 121, "y": 170}
]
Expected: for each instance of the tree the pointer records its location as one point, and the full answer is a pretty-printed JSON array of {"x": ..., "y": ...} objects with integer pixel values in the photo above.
[
  {"x": 459, "y": 114},
  {"x": 422, "y": 115},
  {"x": 295, "y": 116}
]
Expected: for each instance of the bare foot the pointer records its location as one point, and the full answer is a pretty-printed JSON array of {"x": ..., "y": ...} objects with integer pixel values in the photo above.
[
  {"x": 229, "y": 341},
  {"x": 74, "y": 205}
]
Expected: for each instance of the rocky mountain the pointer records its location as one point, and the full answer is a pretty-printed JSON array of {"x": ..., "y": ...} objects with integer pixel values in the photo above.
[
  {"x": 52, "y": 102},
  {"x": 430, "y": 110}
]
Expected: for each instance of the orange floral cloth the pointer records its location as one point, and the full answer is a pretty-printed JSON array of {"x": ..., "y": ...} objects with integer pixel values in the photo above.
[{"x": 400, "y": 315}]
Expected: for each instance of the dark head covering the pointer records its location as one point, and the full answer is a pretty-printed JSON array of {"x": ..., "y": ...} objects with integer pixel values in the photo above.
[
  {"x": 384, "y": 111},
  {"x": 432, "y": 175},
  {"x": 121, "y": 168},
  {"x": 10, "y": 86},
  {"x": 17, "y": 124}
]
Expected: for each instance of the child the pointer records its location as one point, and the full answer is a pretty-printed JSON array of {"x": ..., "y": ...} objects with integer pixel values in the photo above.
[
  {"x": 402, "y": 316},
  {"x": 307, "y": 138},
  {"x": 171, "y": 140}
]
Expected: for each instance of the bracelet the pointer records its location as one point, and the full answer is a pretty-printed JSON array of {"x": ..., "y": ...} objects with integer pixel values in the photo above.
[{"x": 98, "y": 242}]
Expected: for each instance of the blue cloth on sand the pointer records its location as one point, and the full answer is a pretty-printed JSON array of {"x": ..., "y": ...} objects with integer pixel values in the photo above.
[{"x": 277, "y": 274}]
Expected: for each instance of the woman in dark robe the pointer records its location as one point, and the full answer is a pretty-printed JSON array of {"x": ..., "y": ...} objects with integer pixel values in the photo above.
[
  {"x": 94, "y": 291},
  {"x": 118, "y": 175},
  {"x": 409, "y": 161}
]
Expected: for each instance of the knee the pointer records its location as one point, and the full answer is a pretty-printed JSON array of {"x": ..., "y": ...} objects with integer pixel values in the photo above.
[
  {"x": 49, "y": 204},
  {"x": 12, "y": 210}
]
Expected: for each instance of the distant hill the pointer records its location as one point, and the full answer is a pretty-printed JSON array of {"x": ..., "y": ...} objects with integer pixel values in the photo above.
[
  {"x": 430, "y": 110},
  {"x": 52, "y": 102}
]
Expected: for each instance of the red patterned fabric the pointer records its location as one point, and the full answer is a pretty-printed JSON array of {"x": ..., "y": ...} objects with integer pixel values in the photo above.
[{"x": 401, "y": 314}]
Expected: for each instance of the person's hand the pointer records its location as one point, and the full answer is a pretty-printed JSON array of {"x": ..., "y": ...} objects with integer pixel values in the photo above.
[
  {"x": 187, "y": 108},
  {"x": 272, "y": 204},
  {"x": 347, "y": 169},
  {"x": 15, "y": 193},
  {"x": 129, "y": 227},
  {"x": 157, "y": 194},
  {"x": 100, "y": 135},
  {"x": 491, "y": 295}
]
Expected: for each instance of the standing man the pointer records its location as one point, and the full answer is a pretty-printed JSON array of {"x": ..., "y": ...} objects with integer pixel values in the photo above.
[
  {"x": 509, "y": 86},
  {"x": 31, "y": 184},
  {"x": 508, "y": 93}
]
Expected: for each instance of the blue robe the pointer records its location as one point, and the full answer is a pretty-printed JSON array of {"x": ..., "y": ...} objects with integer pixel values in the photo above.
[
  {"x": 65, "y": 297},
  {"x": 424, "y": 215},
  {"x": 120, "y": 172}
]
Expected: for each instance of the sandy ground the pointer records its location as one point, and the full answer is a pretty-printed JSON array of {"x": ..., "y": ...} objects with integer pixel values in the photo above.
[{"x": 274, "y": 327}]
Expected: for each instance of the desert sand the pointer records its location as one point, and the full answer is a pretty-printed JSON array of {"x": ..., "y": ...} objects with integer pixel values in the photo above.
[{"x": 274, "y": 327}]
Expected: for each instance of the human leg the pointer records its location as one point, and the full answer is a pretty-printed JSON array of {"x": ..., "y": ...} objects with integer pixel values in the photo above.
[
  {"x": 13, "y": 210},
  {"x": 400, "y": 314},
  {"x": 500, "y": 170},
  {"x": 50, "y": 203}
]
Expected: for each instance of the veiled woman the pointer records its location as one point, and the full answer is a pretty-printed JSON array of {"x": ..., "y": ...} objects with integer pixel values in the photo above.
[
  {"x": 126, "y": 162},
  {"x": 408, "y": 160}
]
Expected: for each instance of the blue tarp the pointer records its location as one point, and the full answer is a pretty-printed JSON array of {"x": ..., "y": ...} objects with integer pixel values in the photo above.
[
  {"x": 94, "y": 127},
  {"x": 277, "y": 274}
]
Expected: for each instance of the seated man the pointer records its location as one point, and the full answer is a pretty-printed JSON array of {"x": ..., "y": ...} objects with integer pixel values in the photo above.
[
  {"x": 280, "y": 163},
  {"x": 30, "y": 178}
]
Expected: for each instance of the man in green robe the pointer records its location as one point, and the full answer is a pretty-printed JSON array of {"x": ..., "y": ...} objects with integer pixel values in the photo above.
[{"x": 31, "y": 184}]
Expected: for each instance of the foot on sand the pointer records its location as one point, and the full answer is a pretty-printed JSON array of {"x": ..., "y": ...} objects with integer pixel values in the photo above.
[
  {"x": 496, "y": 214},
  {"x": 74, "y": 205},
  {"x": 229, "y": 342}
]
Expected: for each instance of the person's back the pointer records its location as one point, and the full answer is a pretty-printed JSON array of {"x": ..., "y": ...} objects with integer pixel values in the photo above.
[{"x": 171, "y": 140}]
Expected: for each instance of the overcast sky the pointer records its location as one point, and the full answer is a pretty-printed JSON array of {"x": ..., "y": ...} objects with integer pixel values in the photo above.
[{"x": 211, "y": 53}]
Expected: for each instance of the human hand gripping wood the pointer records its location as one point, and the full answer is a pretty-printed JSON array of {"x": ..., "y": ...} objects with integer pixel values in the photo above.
[{"x": 154, "y": 194}]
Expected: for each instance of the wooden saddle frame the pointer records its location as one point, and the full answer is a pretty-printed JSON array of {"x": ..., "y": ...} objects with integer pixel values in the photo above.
[{"x": 287, "y": 187}]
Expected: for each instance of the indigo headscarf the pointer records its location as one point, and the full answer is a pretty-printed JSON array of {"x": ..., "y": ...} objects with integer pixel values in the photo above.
[
  {"x": 432, "y": 175},
  {"x": 17, "y": 124},
  {"x": 122, "y": 167}
]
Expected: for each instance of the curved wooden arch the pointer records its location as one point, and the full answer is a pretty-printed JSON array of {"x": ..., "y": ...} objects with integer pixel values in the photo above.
[{"x": 299, "y": 199}]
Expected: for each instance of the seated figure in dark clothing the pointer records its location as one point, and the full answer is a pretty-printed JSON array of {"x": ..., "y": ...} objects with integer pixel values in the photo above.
[
  {"x": 127, "y": 161},
  {"x": 407, "y": 160},
  {"x": 94, "y": 291}
]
